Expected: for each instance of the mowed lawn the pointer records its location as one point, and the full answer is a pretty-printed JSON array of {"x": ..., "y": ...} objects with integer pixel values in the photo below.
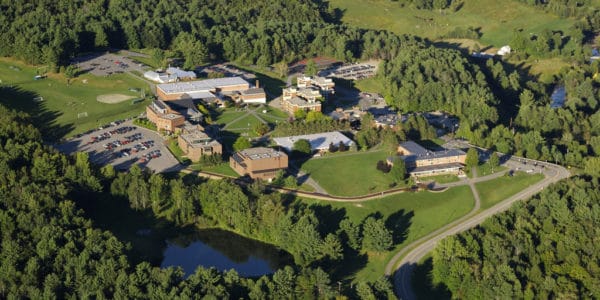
[
  {"x": 496, "y": 19},
  {"x": 57, "y": 114},
  {"x": 349, "y": 174},
  {"x": 496, "y": 190},
  {"x": 417, "y": 215}
]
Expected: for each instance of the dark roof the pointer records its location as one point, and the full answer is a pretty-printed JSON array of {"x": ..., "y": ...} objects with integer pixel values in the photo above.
[
  {"x": 159, "y": 104},
  {"x": 253, "y": 91}
]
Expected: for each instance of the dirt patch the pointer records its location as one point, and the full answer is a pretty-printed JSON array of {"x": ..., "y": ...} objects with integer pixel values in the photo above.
[{"x": 113, "y": 98}]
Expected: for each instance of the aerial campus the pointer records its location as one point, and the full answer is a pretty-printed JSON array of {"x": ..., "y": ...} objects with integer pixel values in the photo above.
[{"x": 300, "y": 149}]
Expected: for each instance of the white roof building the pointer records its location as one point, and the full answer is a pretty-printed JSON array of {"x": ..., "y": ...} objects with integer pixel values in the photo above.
[
  {"x": 179, "y": 73},
  {"x": 318, "y": 141},
  {"x": 160, "y": 77}
]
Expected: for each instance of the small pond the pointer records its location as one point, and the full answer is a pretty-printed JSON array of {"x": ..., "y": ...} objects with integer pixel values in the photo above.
[
  {"x": 558, "y": 97},
  {"x": 223, "y": 250}
]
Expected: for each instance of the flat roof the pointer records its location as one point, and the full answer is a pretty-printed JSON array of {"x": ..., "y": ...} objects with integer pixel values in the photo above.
[
  {"x": 318, "y": 141},
  {"x": 259, "y": 153},
  {"x": 301, "y": 102},
  {"x": 198, "y": 139},
  {"x": 253, "y": 91},
  {"x": 200, "y": 85}
]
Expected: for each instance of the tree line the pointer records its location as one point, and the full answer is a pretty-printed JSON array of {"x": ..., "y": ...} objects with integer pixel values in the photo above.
[
  {"x": 51, "y": 250},
  {"x": 542, "y": 248},
  {"x": 263, "y": 32}
]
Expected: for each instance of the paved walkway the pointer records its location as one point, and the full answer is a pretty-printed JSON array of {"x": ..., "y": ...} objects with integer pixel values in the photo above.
[{"x": 413, "y": 253}]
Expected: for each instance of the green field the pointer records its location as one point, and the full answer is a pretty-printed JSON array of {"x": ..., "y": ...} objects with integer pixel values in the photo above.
[
  {"x": 223, "y": 169},
  {"x": 496, "y": 19},
  {"x": 57, "y": 115},
  {"x": 496, "y": 190},
  {"x": 416, "y": 214},
  {"x": 228, "y": 115},
  {"x": 486, "y": 169},
  {"x": 349, "y": 174}
]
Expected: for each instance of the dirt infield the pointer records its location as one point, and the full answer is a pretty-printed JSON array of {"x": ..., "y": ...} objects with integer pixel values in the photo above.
[{"x": 113, "y": 98}]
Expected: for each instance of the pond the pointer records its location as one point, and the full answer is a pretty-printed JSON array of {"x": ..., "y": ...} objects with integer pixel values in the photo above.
[
  {"x": 558, "y": 97},
  {"x": 223, "y": 250}
]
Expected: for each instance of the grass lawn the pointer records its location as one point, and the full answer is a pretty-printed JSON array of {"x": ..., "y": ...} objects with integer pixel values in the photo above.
[
  {"x": 369, "y": 85},
  {"x": 57, "y": 114},
  {"x": 495, "y": 19},
  {"x": 223, "y": 169},
  {"x": 494, "y": 191},
  {"x": 177, "y": 152},
  {"x": 228, "y": 115},
  {"x": 413, "y": 214},
  {"x": 350, "y": 174},
  {"x": 486, "y": 169},
  {"x": 244, "y": 124}
]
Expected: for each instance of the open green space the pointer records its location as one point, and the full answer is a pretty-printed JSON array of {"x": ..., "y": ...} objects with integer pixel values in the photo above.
[
  {"x": 496, "y": 19},
  {"x": 350, "y": 174},
  {"x": 486, "y": 169},
  {"x": 223, "y": 169},
  {"x": 369, "y": 85},
  {"x": 61, "y": 113},
  {"x": 496, "y": 190},
  {"x": 244, "y": 124},
  {"x": 228, "y": 115},
  {"x": 413, "y": 215}
]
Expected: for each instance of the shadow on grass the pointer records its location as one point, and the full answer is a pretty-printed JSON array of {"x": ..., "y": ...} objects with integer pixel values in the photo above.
[
  {"x": 398, "y": 223},
  {"x": 43, "y": 119},
  {"x": 422, "y": 283}
]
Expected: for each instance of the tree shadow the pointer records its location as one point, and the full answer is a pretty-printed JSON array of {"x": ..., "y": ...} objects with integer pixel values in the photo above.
[
  {"x": 422, "y": 282},
  {"x": 329, "y": 218},
  {"x": 18, "y": 99},
  {"x": 398, "y": 223}
]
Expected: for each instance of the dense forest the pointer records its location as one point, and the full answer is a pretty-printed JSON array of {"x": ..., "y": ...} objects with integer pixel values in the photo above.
[
  {"x": 50, "y": 249},
  {"x": 544, "y": 248},
  {"x": 256, "y": 32}
]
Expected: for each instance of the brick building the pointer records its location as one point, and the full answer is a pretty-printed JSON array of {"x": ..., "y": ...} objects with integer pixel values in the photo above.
[
  {"x": 197, "y": 143},
  {"x": 422, "y": 162},
  {"x": 163, "y": 116},
  {"x": 307, "y": 99},
  {"x": 259, "y": 163}
]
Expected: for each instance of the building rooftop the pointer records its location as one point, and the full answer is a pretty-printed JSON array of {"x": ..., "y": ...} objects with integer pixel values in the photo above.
[
  {"x": 253, "y": 91},
  {"x": 198, "y": 139},
  {"x": 181, "y": 73},
  {"x": 259, "y": 153},
  {"x": 418, "y": 152},
  {"x": 318, "y": 141},
  {"x": 301, "y": 102},
  {"x": 200, "y": 85}
]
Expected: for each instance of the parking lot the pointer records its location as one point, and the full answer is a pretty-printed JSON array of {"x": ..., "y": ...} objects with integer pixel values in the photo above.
[
  {"x": 122, "y": 145},
  {"x": 104, "y": 64},
  {"x": 354, "y": 71}
]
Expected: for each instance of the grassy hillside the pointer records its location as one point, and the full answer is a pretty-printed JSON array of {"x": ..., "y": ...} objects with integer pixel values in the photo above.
[{"x": 496, "y": 19}]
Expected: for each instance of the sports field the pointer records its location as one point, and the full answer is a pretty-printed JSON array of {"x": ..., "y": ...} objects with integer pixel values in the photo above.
[{"x": 62, "y": 110}]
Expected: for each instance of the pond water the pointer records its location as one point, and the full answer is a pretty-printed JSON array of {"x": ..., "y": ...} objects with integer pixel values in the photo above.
[
  {"x": 223, "y": 250},
  {"x": 558, "y": 97}
]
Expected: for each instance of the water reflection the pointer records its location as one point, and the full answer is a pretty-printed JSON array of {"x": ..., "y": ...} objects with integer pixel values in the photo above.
[{"x": 223, "y": 250}]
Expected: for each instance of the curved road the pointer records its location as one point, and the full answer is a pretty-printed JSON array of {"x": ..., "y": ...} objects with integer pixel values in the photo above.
[{"x": 414, "y": 252}]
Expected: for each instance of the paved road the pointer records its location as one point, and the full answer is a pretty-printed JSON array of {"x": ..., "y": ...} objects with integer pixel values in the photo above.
[{"x": 414, "y": 252}]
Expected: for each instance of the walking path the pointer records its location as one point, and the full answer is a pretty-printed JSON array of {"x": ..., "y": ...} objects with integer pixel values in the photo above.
[{"x": 413, "y": 253}]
